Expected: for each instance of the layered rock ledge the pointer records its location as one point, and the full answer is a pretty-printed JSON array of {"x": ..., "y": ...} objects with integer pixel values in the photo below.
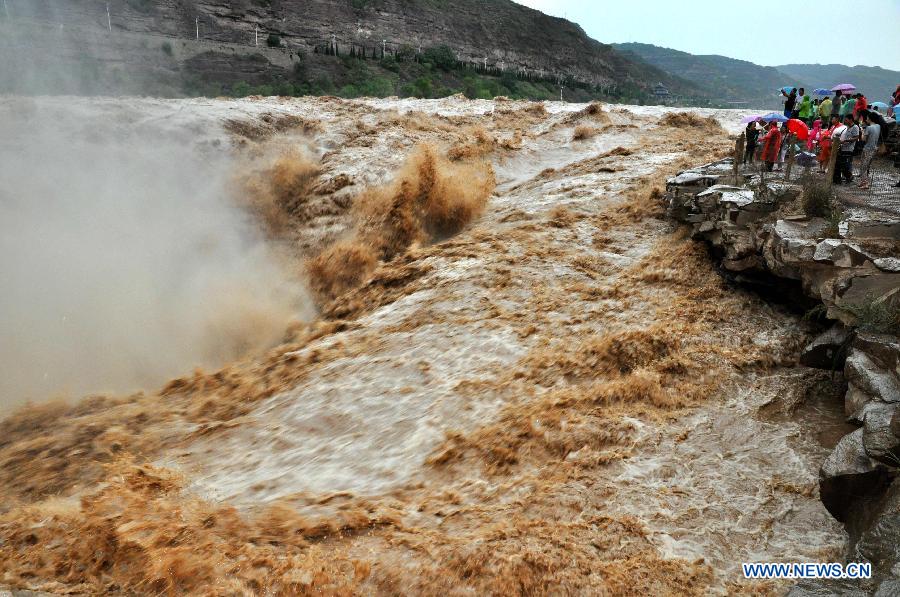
[{"x": 847, "y": 269}]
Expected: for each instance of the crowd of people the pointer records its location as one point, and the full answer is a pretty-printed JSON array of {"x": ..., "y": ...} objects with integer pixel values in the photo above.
[{"x": 846, "y": 123}]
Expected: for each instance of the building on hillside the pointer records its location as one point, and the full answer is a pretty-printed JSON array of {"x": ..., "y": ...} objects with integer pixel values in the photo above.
[{"x": 661, "y": 92}]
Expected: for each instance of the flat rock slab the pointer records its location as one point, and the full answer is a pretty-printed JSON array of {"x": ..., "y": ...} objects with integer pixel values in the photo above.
[{"x": 736, "y": 196}]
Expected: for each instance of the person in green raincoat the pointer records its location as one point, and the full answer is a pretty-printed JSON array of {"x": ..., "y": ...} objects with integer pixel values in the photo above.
[
  {"x": 825, "y": 110},
  {"x": 806, "y": 109},
  {"x": 848, "y": 106}
]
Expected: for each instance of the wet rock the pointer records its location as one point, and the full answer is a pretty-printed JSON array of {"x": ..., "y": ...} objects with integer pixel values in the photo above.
[
  {"x": 863, "y": 287},
  {"x": 738, "y": 244},
  {"x": 865, "y": 374},
  {"x": 839, "y": 253},
  {"x": 888, "y": 264},
  {"x": 878, "y": 440},
  {"x": 888, "y": 588},
  {"x": 792, "y": 243},
  {"x": 873, "y": 226},
  {"x": 827, "y": 588},
  {"x": 828, "y": 350},
  {"x": 855, "y": 401},
  {"x": 884, "y": 349},
  {"x": 895, "y": 424},
  {"x": 692, "y": 178},
  {"x": 743, "y": 264},
  {"x": 726, "y": 194},
  {"x": 880, "y": 542},
  {"x": 849, "y": 474}
]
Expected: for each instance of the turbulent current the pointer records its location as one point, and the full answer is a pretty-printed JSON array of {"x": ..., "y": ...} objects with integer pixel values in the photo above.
[{"x": 518, "y": 378}]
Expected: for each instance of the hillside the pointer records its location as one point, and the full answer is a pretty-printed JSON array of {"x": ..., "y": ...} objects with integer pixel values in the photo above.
[
  {"x": 182, "y": 46},
  {"x": 876, "y": 82},
  {"x": 724, "y": 79}
]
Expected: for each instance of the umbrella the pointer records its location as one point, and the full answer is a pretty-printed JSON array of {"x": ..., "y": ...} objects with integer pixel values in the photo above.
[
  {"x": 799, "y": 128},
  {"x": 822, "y": 92},
  {"x": 844, "y": 87},
  {"x": 880, "y": 105},
  {"x": 787, "y": 89},
  {"x": 774, "y": 116},
  {"x": 748, "y": 119}
]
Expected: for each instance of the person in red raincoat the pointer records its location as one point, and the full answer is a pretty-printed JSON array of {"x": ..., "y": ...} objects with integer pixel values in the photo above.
[
  {"x": 771, "y": 146},
  {"x": 826, "y": 139},
  {"x": 861, "y": 104}
]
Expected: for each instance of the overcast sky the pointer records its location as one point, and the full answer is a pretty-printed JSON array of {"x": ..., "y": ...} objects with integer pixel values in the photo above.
[{"x": 868, "y": 31}]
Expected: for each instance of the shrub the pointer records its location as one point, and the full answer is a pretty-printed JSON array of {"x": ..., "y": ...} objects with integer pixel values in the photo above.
[
  {"x": 441, "y": 56},
  {"x": 240, "y": 89},
  {"x": 166, "y": 48},
  {"x": 876, "y": 315},
  {"x": 405, "y": 53},
  {"x": 834, "y": 223},
  {"x": 273, "y": 41},
  {"x": 817, "y": 198}
]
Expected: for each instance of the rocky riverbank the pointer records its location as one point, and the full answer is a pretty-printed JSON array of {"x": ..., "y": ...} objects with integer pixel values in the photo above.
[{"x": 844, "y": 270}]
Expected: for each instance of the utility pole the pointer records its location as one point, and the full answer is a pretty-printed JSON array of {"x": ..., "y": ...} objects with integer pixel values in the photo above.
[
  {"x": 108, "y": 18},
  {"x": 257, "y": 36},
  {"x": 197, "y": 23},
  {"x": 383, "y": 47},
  {"x": 6, "y": 9},
  {"x": 560, "y": 93}
]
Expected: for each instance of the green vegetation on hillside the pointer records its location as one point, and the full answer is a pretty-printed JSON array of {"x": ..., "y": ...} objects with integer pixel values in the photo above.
[
  {"x": 725, "y": 79},
  {"x": 433, "y": 73}
]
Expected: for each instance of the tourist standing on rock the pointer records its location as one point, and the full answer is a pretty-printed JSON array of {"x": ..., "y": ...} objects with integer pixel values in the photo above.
[
  {"x": 796, "y": 112},
  {"x": 785, "y": 143},
  {"x": 805, "y": 110},
  {"x": 825, "y": 111},
  {"x": 815, "y": 134},
  {"x": 790, "y": 102},
  {"x": 837, "y": 106},
  {"x": 871, "y": 134},
  {"x": 825, "y": 143},
  {"x": 752, "y": 135},
  {"x": 887, "y": 126},
  {"x": 861, "y": 104},
  {"x": 849, "y": 108},
  {"x": 771, "y": 146},
  {"x": 843, "y": 171}
]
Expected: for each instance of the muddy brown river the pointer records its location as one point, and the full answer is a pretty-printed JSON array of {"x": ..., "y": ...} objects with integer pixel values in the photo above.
[{"x": 550, "y": 392}]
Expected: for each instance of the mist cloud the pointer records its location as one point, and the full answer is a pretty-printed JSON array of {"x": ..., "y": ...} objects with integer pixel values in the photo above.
[{"x": 123, "y": 257}]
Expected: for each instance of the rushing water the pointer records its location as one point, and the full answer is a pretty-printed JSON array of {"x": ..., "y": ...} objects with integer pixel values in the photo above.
[{"x": 731, "y": 480}]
